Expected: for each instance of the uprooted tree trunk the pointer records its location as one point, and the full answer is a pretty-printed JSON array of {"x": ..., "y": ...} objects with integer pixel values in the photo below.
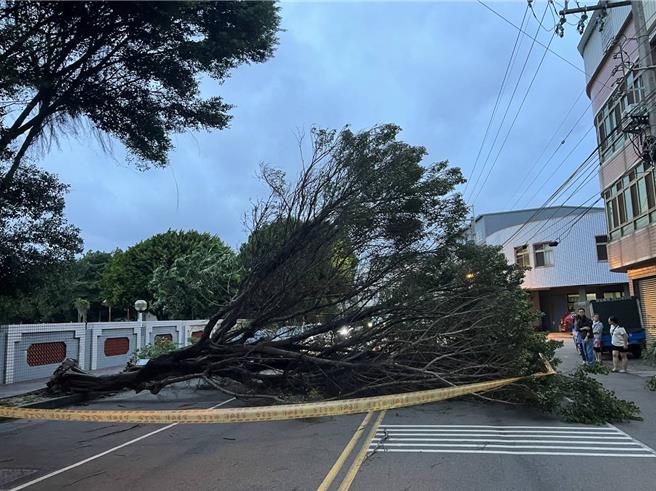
[{"x": 356, "y": 281}]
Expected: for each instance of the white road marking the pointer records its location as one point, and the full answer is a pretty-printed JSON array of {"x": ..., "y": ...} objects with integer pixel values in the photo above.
[
  {"x": 497, "y": 435},
  {"x": 512, "y": 432},
  {"x": 581, "y": 441},
  {"x": 625, "y": 442},
  {"x": 587, "y": 428},
  {"x": 649, "y": 449},
  {"x": 484, "y": 446},
  {"x": 102, "y": 454},
  {"x": 505, "y": 452}
]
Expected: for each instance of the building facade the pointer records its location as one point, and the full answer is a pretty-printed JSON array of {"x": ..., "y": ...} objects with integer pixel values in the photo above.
[
  {"x": 565, "y": 252},
  {"x": 616, "y": 84}
]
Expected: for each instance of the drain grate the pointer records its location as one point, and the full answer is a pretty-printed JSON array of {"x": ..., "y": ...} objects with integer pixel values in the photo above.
[{"x": 7, "y": 476}]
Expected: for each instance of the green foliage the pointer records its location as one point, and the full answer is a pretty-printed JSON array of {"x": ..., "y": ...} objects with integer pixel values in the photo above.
[
  {"x": 132, "y": 70},
  {"x": 650, "y": 354},
  {"x": 651, "y": 383},
  {"x": 579, "y": 398},
  {"x": 55, "y": 290},
  {"x": 597, "y": 369},
  {"x": 160, "y": 346},
  {"x": 128, "y": 275},
  {"x": 49, "y": 301},
  {"x": 34, "y": 234},
  {"x": 197, "y": 284},
  {"x": 329, "y": 271}
]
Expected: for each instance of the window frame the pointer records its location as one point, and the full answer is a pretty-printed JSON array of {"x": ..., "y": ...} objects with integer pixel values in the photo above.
[
  {"x": 524, "y": 253},
  {"x": 598, "y": 244},
  {"x": 547, "y": 251}
]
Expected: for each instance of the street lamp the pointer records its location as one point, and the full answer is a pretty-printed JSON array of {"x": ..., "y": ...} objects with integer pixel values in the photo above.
[
  {"x": 140, "y": 306},
  {"x": 109, "y": 308}
]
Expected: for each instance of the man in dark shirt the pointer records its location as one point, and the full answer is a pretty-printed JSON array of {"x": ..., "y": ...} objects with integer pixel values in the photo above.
[{"x": 584, "y": 326}]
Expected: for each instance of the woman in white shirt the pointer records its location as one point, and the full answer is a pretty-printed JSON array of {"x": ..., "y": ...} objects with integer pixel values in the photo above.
[{"x": 620, "y": 344}]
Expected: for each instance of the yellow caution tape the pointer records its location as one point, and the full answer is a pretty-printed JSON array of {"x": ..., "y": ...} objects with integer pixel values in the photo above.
[{"x": 264, "y": 413}]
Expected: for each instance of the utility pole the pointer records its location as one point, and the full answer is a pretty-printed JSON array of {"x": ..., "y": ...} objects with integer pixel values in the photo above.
[{"x": 645, "y": 62}]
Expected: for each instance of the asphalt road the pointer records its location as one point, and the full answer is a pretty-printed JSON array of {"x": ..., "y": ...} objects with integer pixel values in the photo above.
[{"x": 453, "y": 445}]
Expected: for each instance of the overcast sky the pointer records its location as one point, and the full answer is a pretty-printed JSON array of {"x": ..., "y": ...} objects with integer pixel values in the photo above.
[{"x": 432, "y": 68}]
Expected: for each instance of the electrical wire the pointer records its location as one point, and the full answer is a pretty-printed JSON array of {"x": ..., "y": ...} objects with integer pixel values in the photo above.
[
  {"x": 512, "y": 124},
  {"x": 496, "y": 104},
  {"x": 508, "y": 106},
  {"x": 548, "y": 29},
  {"x": 577, "y": 68},
  {"x": 568, "y": 182}
]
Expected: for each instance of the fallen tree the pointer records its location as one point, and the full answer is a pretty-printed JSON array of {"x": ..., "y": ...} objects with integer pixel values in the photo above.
[{"x": 356, "y": 280}]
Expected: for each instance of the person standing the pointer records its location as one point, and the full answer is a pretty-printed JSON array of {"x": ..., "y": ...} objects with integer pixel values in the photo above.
[
  {"x": 597, "y": 330},
  {"x": 619, "y": 340},
  {"x": 584, "y": 327}
]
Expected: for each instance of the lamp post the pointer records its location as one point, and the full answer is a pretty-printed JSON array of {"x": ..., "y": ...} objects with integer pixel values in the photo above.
[
  {"x": 109, "y": 309},
  {"x": 140, "y": 306}
]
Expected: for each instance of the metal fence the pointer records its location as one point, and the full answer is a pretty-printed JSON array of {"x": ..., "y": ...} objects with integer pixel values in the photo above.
[{"x": 33, "y": 351}]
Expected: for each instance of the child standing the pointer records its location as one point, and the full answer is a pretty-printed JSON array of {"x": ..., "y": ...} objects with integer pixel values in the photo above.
[{"x": 597, "y": 329}]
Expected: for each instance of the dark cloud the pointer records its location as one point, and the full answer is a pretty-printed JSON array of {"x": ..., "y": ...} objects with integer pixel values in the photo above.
[{"x": 432, "y": 68}]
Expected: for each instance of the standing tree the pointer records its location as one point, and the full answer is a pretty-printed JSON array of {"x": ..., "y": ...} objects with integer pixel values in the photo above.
[
  {"x": 85, "y": 279},
  {"x": 131, "y": 70},
  {"x": 197, "y": 284},
  {"x": 34, "y": 234},
  {"x": 82, "y": 306},
  {"x": 128, "y": 275}
]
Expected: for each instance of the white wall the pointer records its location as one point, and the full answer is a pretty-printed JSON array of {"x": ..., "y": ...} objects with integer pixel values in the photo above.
[{"x": 575, "y": 258}]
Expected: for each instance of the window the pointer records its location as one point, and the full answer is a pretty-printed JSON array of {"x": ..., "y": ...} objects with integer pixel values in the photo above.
[
  {"x": 602, "y": 251},
  {"x": 572, "y": 300},
  {"x": 116, "y": 346},
  {"x": 543, "y": 255},
  {"x": 522, "y": 256},
  {"x": 610, "y": 118},
  {"x": 630, "y": 202},
  {"x": 46, "y": 353},
  {"x": 590, "y": 297},
  {"x": 609, "y": 295}
]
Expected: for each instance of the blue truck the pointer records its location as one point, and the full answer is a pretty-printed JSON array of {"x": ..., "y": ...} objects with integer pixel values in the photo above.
[{"x": 627, "y": 310}]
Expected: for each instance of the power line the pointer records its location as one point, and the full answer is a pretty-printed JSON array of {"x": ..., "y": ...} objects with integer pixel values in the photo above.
[
  {"x": 512, "y": 125},
  {"x": 496, "y": 104},
  {"x": 527, "y": 34},
  {"x": 580, "y": 168},
  {"x": 509, "y": 105},
  {"x": 523, "y": 190}
]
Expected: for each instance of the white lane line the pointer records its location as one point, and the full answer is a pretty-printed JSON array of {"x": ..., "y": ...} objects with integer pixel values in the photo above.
[
  {"x": 626, "y": 442},
  {"x": 419, "y": 446},
  {"x": 503, "y": 427},
  {"x": 646, "y": 447},
  {"x": 519, "y": 432},
  {"x": 102, "y": 454},
  {"x": 507, "y": 452},
  {"x": 497, "y": 435}
]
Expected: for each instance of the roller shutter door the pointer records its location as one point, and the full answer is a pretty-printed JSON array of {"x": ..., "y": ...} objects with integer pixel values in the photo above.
[{"x": 647, "y": 289}]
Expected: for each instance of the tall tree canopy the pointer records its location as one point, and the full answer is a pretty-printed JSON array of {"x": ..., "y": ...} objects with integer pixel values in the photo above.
[
  {"x": 197, "y": 284},
  {"x": 34, "y": 234},
  {"x": 130, "y": 69},
  {"x": 128, "y": 275}
]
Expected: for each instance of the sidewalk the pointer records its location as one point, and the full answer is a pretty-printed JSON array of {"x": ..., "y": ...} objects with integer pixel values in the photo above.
[{"x": 19, "y": 388}]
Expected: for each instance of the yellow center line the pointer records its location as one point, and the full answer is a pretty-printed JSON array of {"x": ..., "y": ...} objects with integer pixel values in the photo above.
[
  {"x": 355, "y": 466},
  {"x": 332, "y": 474}
]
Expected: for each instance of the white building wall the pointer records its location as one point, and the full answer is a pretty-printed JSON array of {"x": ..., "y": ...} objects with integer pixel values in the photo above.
[{"x": 575, "y": 258}]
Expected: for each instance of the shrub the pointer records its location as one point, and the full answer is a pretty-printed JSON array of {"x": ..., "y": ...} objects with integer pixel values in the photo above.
[{"x": 161, "y": 346}]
